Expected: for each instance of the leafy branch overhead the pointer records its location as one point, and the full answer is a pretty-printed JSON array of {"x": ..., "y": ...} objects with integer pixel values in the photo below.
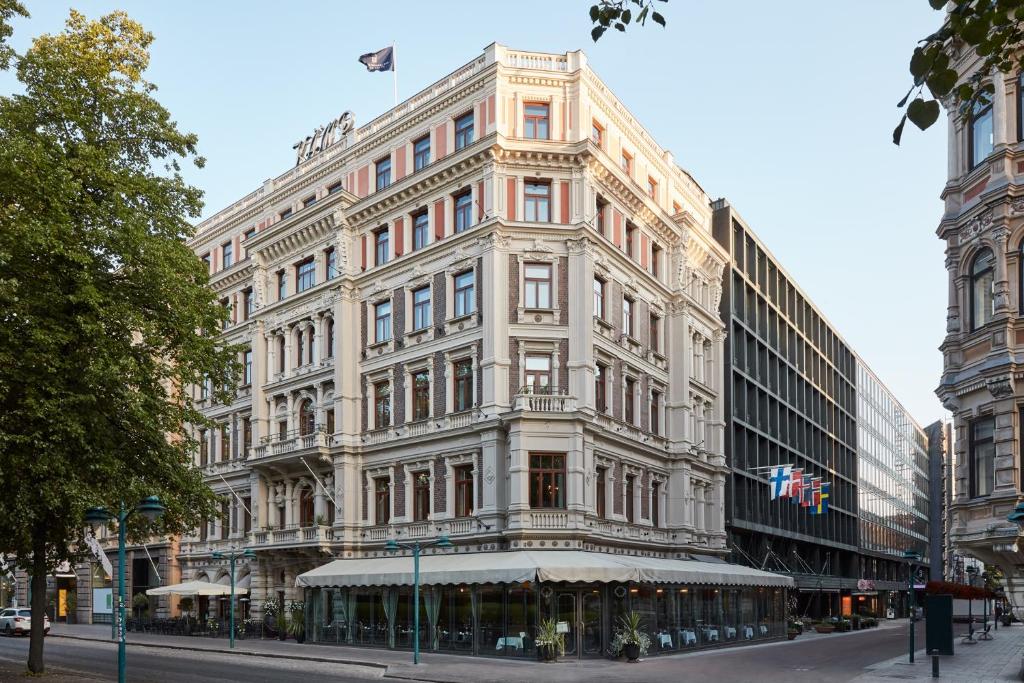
[
  {"x": 618, "y": 14},
  {"x": 994, "y": 30}
]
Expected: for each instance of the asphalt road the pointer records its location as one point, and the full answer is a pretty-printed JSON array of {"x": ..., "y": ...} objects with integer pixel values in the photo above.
[{"x": 99, "y": 660}]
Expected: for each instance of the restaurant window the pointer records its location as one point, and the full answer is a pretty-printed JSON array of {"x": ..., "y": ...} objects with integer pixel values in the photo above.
[
  {"x": 982, "y": 456},
  {"x": 547, "y": 480},
  {"x": 537, "y": 281},
  {"x": 421, "y": 395},
  {"x": 627, "y": 316},
  {"x": 282, "y": 285},
  {"x": 627, "y": 162},
  {"x": 420, "y": 230},
  {"x": 381, "y": 246},
  {"x": 980, "y": 141},
  {"x": 420, "y": 496},
  {"x": 600, "y": 387},
  {"x": 538, "y": 374},
  {"x": 247, "y": 373},
  {"x": 597, "y": 134},
  {"x": 382, "y": 500},
  {"x": 381, "y": 404},
  {"x": 599, "y": 298},
  {"x": 465, "y": 293},
  {"x": 463, "y": 384},
  {"x": 463, "y": 130},
  {"x": 305, "y": 275},
  {"x": 535, "y": 126},
  {"x": 463, "y": 211},
  {"x": 655, "y": 499},
  {"x": 331, "y": 258},
  {"x": 627, "y": 404},
  {"x": 421, "y": 153},
  {"x": 464, "y": 491},
  {"x": 656, "y": 412},
  {"x": 601, "y": 492},
  {"x": 537, "y": 197},
  {"x": 421, "y": 308},
  {"x": 383, "y": 170},
  {"x": 382, "y": 322},
  {"x": 228, "y": 254},
  {"x": 630, "y": 508}
]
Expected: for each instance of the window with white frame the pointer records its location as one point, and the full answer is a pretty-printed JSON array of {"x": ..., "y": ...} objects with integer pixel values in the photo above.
[
  {"x": 537, "y": 285},
  {"x": 421, "y": 395},
  {"x": 382, "y": 322},
  {"x": 421, "y": 317},
  {"x": 463, "y": 211},
  {"x": 381, "y": 404},
  {"x": 420, "y": 230},
  {"x": 538, "y": 374},
  {"x": 465, "y": 293},
  {"x": 463, "y": 394}
]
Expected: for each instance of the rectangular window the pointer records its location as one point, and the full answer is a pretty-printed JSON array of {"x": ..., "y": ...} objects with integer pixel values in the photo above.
[
  {"x": 382, "y": 322},
  {"x": 538, "y": 374},
  {"x": 309, "y": 201},
  {"x": 656, "y": 412},
  {"x": 420, "y": 496},
  {"x": 655, "y": 259},
  {"x": 282, "y": 285},
  {"x": 421, "y": 153},
  {"x": 653, "y": 332},
  {"x": 535, "y": 124},
  {"x": 655, "y": 512},
  {"x": 980, "y": 141},
  {"x": 463, "y": 211},
  {"x": 982, "y": 456},
  {"x": 463, "y": 385},
  {"x": 305, "y": 275},
  {"x": 206, "y": 259},
  {"x": 284, "y": 214},
  {"x": 383, "y": 173},
  {"x": 600, "y": 222},
  {"x": 627, "y": 162},
  {"x": 627, "y": 316},
  {"x": 600, "y": 492},
  {"x": 537, "y": 198},
  {"x": 204, "y": 449},
  {"x": 420, "y": 230},
  {"x": 226, "y": 305},
  {"x": 630, "y": 487},
  {"x": 463, "y": 130},
  {"x": 627, "y": 401},
  {"x": 381, "y": 246},
  {"x": 247, "y": 374},
  {"x": 597, "y": 134},
  {"x": 330, "y": 338},
  {"x": 630, "y": 238},
  {"x": 421, "y": 318},
  {"x": 465, "y": 293},
  {"x": 537, "y": 284},
  {"x": 249, "y": 234},
  {"x": 248, "y": 303},
  {"x": 464, "y": 491},
  {"x": 246, "y": 434},
  {"x": 381, "y": 404},
  {"x": 421, "y": 395},
  {"x": 382, "y": 500},
  {"x": 331, "y": 259},
  {"x": 599, "y": 298},
  {"x": 228, "y": 254},
  {"x": 600, "y": 387},
  {"x": 225, "y": 442},
  {"x": 652, "y": 188},
  {"x": 547, "y": 480},
  {"x": 334, "y": 187}
]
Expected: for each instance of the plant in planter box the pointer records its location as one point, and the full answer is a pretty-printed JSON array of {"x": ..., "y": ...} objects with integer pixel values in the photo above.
[
  {"x": 630, "y": 639},
  {"x": 796, "y": 625},
  {"x": 550, "y": 643},
  {"x": 825, "y": 627},
  {"x": 297, "y": 623}
]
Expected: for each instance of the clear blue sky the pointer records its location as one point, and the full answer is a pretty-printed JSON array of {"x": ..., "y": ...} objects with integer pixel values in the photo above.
[{"x": 784, "y": 108}]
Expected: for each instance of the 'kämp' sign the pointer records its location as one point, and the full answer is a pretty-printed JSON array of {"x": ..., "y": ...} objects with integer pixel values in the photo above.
[{"x": 323, "y": 137}]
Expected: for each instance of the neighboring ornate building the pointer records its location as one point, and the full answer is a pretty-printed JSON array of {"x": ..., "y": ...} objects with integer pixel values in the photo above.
[
  {"x": 983, "y": 227},
  {"x": 492, "y": 313}
]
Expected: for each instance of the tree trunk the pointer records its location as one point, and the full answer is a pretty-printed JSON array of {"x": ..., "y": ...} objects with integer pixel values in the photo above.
[{"x": 38, "y": 605}]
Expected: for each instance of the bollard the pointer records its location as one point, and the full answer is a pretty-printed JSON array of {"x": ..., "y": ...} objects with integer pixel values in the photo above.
[{"x": 935, "y": 666}]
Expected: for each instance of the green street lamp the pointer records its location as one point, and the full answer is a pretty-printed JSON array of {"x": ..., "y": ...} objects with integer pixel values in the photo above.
[
  {"x": 232, "y": 555},
  {"x": 392, "y": 546},
  {"x": 911, "y": 556},
  {"x": 151, "y": 509}
]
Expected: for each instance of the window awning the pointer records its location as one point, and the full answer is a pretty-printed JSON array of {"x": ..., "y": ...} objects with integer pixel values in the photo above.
[
  {"x": 533, "y": 565},
  {"x": 191, "y": 588}
]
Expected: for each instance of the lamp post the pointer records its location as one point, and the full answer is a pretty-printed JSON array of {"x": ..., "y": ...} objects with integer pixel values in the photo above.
[
  {"x": 984, "y": 602},
  {"x": 151, "y": 509},
  {"x": 392, "y": 546},
  {"x": 971, "y": 571},
  {"x": 232, "y": 555},
  {"x": 911, "y": 556}
]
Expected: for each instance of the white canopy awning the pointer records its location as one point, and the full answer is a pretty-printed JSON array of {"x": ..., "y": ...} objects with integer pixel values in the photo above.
[
  {"x": 191, "y": 588},
  {"x": 243, "y": 583},
  {"x": 533, "y": 565}
]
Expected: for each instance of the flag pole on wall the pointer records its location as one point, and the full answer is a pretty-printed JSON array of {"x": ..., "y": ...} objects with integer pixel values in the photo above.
[{"x": 394, "y": 68}]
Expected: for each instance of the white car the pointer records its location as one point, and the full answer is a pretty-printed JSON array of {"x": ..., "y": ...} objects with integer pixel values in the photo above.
[{"x": 18, "y": 621}]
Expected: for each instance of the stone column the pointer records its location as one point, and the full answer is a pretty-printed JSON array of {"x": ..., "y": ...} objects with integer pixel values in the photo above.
[
  {"x": 999, "y": 118},
  {"x": 1001, "y": 286},
  {"x": 289, "y": 503},
  {"x": 953, "y": 303}
]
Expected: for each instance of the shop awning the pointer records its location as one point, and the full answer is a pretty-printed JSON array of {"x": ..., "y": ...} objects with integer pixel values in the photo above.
[
  {"x": 533, "y": 565},
  {"x": 191, "y": 588}
]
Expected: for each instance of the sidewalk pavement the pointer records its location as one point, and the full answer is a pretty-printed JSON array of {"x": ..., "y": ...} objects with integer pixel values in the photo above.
[
  {"x": 987, "y": 661},
  {"x": 451, "y": 668}
]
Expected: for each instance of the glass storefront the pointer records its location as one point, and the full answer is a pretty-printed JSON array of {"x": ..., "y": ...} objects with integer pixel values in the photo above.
[{"x": 502, "y": 620}]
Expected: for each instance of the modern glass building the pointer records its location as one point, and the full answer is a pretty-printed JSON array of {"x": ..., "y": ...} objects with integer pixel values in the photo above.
[{"x": 797, "y": 394}]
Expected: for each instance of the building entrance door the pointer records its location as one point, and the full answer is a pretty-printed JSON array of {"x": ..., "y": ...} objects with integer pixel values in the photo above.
[{"x": 581, "y": 611}]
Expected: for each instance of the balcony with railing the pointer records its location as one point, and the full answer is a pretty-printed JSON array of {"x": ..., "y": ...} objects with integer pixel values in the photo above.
[
  {"x": 423, "y": 530},
  {"x": 631, "y": 431},
  {"x": 292, "y": 537},
  {"x": 531, "y": 399},
  {"x": 293, "y": 444},
  {"x": 421, "y": 428}
]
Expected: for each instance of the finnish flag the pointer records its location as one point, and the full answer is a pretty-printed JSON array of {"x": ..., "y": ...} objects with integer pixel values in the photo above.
[{"x": 381, "y": 60}]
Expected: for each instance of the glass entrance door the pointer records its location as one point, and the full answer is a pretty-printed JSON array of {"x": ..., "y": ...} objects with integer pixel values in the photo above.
[
  {"x": 580, "y": 611},
  {"x": 566, "y": 613},
  {"x": 590, "y": 622}
]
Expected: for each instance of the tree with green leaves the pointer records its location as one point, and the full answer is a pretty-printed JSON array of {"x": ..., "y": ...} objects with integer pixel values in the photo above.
[
  {"x": 103, "y": 307},
  {"x": 992, "y": 29},
  {"x": 618, "y": 14}
]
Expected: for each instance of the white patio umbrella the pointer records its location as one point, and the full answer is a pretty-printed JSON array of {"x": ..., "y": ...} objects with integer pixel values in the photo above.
[{"x": 191, "y": 588}]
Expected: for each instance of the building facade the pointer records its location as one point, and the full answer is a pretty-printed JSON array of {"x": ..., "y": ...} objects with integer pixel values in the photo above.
[
  {"x": 983, "y": 228},
  {"x": 490, "y": 313},
  {"x": 797, "y": 394}
]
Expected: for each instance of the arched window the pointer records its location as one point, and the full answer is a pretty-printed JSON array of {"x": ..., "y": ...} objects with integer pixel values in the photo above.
[
  {"x": 307, "y": 418},
  {"x": 981, "y": 142},
  {"x": 306, "y": 507},
  {"x": 981, "y": 288},
  {"x": 330, "y": 338}
]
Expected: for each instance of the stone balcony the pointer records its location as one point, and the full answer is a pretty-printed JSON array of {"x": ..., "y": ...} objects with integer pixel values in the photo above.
[
  {"x": 403, "y": 531},
  {"x": 421, "y": 428},
  {"x": 631, "y": 431},
  {"x": 314, "y": 536},
  {"x": 532, "y": 402},
  {"x": 292, "y": 445}
]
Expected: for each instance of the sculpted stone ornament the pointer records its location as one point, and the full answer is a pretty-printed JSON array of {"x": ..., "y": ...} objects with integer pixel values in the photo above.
[
  {"x": 1017, "y": 205},
  {"x": 975, "y": 226},
  {"x": 1000, "y": 387}
]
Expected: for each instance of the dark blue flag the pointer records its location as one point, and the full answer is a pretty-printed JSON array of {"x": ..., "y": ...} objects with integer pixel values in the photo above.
[{"x": 381, "y": 60}]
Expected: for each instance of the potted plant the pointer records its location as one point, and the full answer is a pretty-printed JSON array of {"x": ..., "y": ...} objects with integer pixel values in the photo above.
[
  {"x": 320, "y": 520},
  {"x": 825, "y": 627},
  {"x": 297, "y": 623},
  {"x": 791, "y": 634},
  {"x": 141, "y": 604},
  {"x": 550, "y": 643},
  {"x": 185, "y": 605},
  {"x": 630, "y": 639}
]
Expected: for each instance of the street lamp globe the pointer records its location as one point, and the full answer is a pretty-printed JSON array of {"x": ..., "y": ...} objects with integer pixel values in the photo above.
[
  {"x": 443, "y": 542},
  {"x": 1017, "y": 516},
  {"x": 151, "y": 508},
  {"x": 391, "y": 546},
  {"x": 97, "y": 516}
]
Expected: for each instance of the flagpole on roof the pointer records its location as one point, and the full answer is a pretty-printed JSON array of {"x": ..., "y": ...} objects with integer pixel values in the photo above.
[{"x": 394, "y": 68}]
